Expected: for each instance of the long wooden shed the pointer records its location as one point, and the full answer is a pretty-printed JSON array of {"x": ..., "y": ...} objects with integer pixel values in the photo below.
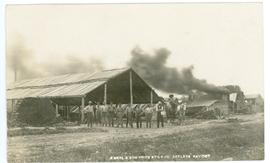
[{"x": 117, "y": 86}]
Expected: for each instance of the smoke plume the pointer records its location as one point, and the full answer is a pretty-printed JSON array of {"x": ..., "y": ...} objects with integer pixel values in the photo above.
[
  {"x": 19, "y": 61},
  {"x": 22, "y": 62},
  {"x": 73, "y": 64},
  {"x": 154, "y": 70}
]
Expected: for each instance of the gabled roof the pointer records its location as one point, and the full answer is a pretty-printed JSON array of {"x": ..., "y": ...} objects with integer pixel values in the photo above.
[
  {"x": 69, "y": 85},
  {"x": 201, "y": 103}
]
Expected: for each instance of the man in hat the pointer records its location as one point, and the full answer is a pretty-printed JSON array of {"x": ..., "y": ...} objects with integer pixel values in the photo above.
[
  {"x": 111, "y": 112},
  {"x": 98, "y": 113},
  {"x": 104, "y": 114},
  {"x": 181, "y": 112},
  {"x": 160, "y": 114},
  {"x": 138, "y": 116},
  {"x": 184, "y": 110},
  {"x": 89, "y": 110},
  {"x": 129, "y": 113},
  {"x": 120, "y": 113}
]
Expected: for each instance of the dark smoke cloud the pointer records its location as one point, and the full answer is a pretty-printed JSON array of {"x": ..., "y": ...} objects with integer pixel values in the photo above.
[
  {"x": 21, "y": 60},
  {"x": 73, "y": 64},
  {"x": 154, "y": 70}
]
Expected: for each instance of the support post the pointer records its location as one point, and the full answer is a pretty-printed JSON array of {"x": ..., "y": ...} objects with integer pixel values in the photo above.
[
  {"x": 151, "y": 97},
  {"x": 105, "y": 94},
  {"x": 12, "y": 106},
  {"x": 82, "y": 117},
  {"x": 130, "y": 88},
  {"x": 67, "y": 107},
  {"x": 56, "y": 110}
]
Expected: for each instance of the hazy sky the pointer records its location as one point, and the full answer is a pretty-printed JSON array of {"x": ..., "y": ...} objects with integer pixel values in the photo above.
[{"x": 224, "y": 42}]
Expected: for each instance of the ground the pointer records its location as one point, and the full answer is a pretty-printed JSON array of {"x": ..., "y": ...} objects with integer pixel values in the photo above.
[{"x": 197, "y": 140}]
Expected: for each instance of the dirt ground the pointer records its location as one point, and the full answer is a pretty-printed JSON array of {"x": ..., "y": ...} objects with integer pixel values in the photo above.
[{"x": 22, "y": 148}]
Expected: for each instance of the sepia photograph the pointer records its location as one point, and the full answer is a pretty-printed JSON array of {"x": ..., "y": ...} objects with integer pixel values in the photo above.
[{"x": 134, "y": 82}]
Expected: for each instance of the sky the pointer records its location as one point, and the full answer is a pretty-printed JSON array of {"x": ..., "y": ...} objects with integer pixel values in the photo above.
[{"x": 224, "y": 42}]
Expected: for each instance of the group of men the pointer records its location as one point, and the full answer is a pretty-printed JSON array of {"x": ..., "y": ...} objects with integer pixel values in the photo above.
[{"x": 112, "y": 115}]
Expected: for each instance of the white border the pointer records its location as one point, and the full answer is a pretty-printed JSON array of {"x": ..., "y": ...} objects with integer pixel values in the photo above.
[
  {"x": 3, "y": 121},
  {"x": 3, "y": 133},
  {"x": 120, "y": 1},
  {"x": 266, "y": 10}
]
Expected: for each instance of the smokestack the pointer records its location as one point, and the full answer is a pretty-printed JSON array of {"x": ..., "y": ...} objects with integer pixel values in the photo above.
[{"x": 15, "y": 75}]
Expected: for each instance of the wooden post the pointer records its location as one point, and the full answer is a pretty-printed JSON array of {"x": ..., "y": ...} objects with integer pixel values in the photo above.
[
  {"x": 105, "y": 94},
  {"x": 67, "y": 108},
  {"x": 56, "y": 110},
  {"x": 130, "y": 88},
  {"x": 12, "y": 106},
  {"x": 255, "y": 105},
  {"x": 151, "y": 97},
  {"x": 82, "y": 118}
]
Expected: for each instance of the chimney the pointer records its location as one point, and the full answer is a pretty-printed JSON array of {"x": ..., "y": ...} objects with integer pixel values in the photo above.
[{"x": 15, "y": 74}]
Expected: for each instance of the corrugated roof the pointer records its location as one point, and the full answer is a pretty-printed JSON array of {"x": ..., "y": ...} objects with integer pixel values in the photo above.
[
  {"x": 69, "y": 85},
  {"x": 67, "y": 79},
  {"x": 200, "y": 103}
]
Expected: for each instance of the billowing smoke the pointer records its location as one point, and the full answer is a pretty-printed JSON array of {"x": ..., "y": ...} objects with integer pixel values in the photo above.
[
  {"x": 22, "y": 62},
  {"x": 73, "y": 64},
  {"x": 154, "y": 70},
  {"x": 19, "y": 61}
]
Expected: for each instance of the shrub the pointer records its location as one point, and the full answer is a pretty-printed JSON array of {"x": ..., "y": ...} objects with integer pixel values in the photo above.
[{"x": 36, "y": 112}]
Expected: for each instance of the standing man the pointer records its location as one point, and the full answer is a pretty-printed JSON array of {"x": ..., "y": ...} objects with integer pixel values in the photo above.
[
  {"x": 148, "y": 115},
  {"x": 160, "y": 114},
  {"x": 98, "y": 113},
  {"x": 104, "y": 115},
  {"x": 111, "y": 111},
  {"x": 129, "y": 113},
  {"x": 89, "y": 110},
  {"x": 95, "y": 113},
  {"x": 184, "y": 111},
  {"x": 119, "y": 113},
  {"x": 138, "y": 116},
  {"x": 179, "y": 113}
]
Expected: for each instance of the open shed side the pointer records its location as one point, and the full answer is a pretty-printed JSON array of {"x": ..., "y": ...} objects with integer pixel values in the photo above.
[{"x": 117, "y": 86}]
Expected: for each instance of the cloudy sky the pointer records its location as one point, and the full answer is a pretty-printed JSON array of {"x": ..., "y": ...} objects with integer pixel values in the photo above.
[{"x": 224, "y": 42}]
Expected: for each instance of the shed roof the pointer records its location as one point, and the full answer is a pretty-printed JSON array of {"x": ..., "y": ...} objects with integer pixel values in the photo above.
[
  {"x": 69, "y": 85},
  {"x": 201, "y": 103},
  {"x": 72, "y": 90},
  {"x": 67, "y": 79},
  {"x": 69, "y": 88}
]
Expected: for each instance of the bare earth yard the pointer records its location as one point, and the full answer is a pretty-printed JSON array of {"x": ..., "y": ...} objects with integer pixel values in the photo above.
[{"x": 203, "y": 140}]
